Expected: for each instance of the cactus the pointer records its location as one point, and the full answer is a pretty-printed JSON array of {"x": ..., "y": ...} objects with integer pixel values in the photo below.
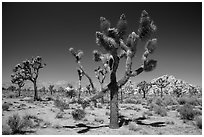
[
  {"x": 116, "y": 47},
  {"x": 28, "y": 70}
]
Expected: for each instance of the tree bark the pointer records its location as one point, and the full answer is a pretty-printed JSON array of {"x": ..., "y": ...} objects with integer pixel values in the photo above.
[
  {"x": 102, "y": 98},
  {"x": 144, "y": 94},
  {"x": 79, "y": 93},
  {"x": 19, "y": 91},
  {"x": 121, "y": 94},
  {"x": 161, "y": 93},
  {"x": 35, "y": 91},
  {"x": 114, "y": 124}
]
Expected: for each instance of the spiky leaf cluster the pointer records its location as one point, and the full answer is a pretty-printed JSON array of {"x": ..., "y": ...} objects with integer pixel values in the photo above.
[{"x": 146, "y": 27}]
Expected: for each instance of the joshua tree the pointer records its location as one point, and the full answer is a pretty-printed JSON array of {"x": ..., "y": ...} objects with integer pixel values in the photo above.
[
  {"x": 116, "y": 47},
  {"x": 144, "y": 87},
  {"x": 51, "y": 88},
  {"x": 161, "y": 82},
  {"x": 18, "y": 79},
  {"x": 70, "y": 91},
  {"x": 29, "y": 70},
  {"x": 100, "y": 74},
  {"x": 81, "y": 71},
  {"x": 128, "y": 88},
  {"x": 179, "y": 86}
]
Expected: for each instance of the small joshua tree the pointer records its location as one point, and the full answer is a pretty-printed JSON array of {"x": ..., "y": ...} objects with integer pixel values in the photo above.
[
  {"x": 179, "y": 85},
  {"x": 29, "y": 70},
  {"x": 51, "y": 89},
  {"x": 128, "y": 88},
  {"x": 162, "y": 83},
  {"x": 144, "y": 87},
  {"x": 100, "y": 74},
  {"x": 18, "y": 79},
  {"x": 70, "y": 91},
  {"x": 117, "y": 47}
]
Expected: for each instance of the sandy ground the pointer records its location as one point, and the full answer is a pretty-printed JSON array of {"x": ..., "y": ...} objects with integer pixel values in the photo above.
[{"x": 96, "y": 120}]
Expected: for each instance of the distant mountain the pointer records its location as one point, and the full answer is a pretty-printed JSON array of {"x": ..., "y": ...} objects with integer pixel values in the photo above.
[{"x": 173, "y": 83}]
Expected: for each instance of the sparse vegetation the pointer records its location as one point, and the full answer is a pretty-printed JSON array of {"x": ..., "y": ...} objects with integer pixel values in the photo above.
[
  {"x": 133, "y": 126},
  {"x": 78, "y": 114},
  {"x": 18, "y": 124},
  {"x": 160, "y": 110},
  {"x": 186, "y": 112},
  {"x": 59, "y": 103}
]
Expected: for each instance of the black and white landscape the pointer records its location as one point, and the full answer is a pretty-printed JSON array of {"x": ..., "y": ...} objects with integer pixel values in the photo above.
[{"x": 101, "y": 68}]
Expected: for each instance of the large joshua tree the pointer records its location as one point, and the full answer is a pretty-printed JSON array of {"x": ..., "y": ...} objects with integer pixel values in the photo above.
[
  {"x": 117, "y": 47},
  {"x": 29, "y": 70}
]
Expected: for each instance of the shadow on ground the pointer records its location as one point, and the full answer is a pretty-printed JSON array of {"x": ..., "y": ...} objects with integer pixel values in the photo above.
[
  {"x": 87, "y": 128},
  {"x": 125, "y": 121}
]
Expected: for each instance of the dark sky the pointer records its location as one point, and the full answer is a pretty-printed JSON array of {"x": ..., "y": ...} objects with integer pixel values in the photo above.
[{"x": 50, "y": 29}]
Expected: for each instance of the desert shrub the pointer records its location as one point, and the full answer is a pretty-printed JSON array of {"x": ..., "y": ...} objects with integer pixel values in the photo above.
[
  {"x": 5, "y": 106},
  {"x": 186, "y": 112},
  {"x": 78, "y": 114},
  {"x": 190, "y": 100},
  {"x": 18, "y": 124},
  {"x": 197, "y": 112},
  {"x": 99, "y": 105},
  {"x": 59, "y": 115},
  {"x": 194, "y": 101},
  {"x": 152, "y": 106},
  {"x": 158, "y": 101},
  {"x": 132, "y": 101},
  {"x": 99, "y": 120},
  {"x": 169, "y": 101},
  {"x": 160, "y": 111},
  {"x": 61, "y": 104},
  {"x": 133, "y": 126},
  {"x": 6, "y": 130},
  {"x": 147, "y": 113},
  {"x": 170, "y": 122},
  {"x": 183, "y": 100},
  {"x": 12, "y": 95},
  {"x": 198, "y": 121}
]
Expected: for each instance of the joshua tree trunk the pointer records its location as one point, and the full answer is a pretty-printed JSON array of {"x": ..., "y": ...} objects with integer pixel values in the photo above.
[
  {"x": 144, "y": 94},
  {"x": 19, "y": 91},
  {"x": 113, "y": 102},
  {"x": 35, "y": 91},
  {"x": 121, "y": 96},
  {"x": 161, "y": 93},
  {"x": 102, "y": 98},
  {"x": 79, "y": 95}
]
